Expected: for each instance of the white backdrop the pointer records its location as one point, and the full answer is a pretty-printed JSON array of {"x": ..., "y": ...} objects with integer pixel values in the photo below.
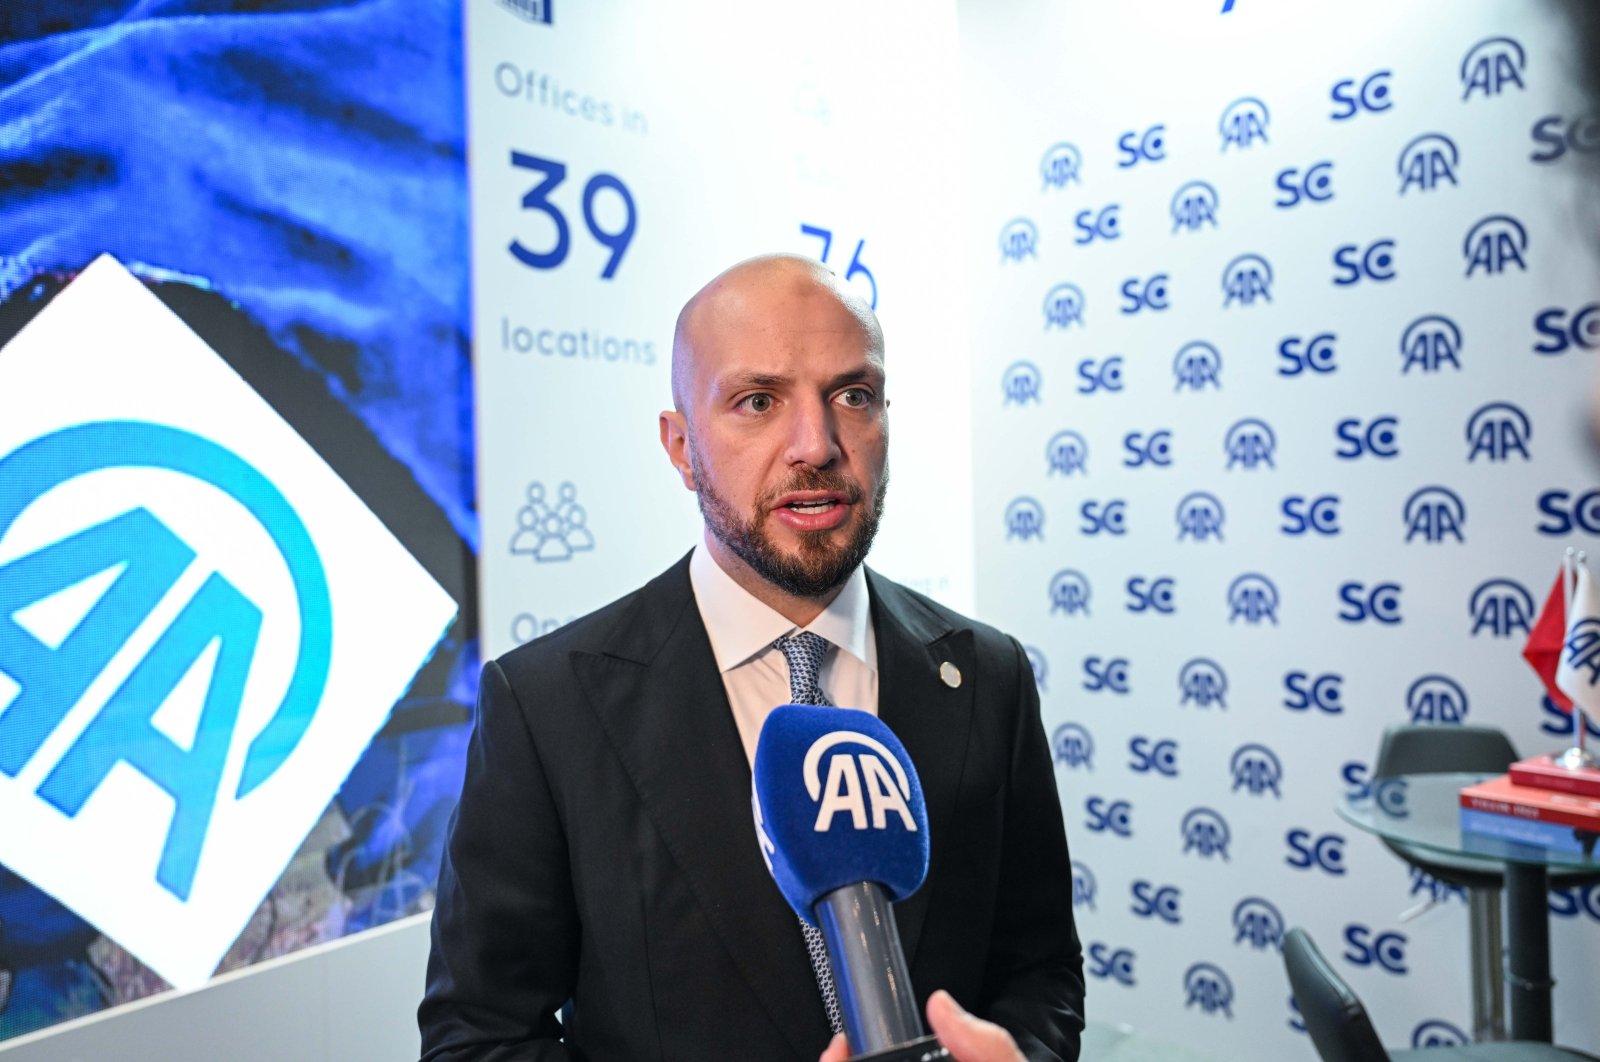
[
  {"x": 1242, "y": 497},
  {"x": 730, "y": 131}
]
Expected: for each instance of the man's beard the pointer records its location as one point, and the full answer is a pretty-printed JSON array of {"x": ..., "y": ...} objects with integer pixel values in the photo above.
[{"x": 819, "y": 566}]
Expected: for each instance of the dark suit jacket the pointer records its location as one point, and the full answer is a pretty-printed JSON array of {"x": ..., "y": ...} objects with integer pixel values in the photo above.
[{"x": 603, "y": 856}]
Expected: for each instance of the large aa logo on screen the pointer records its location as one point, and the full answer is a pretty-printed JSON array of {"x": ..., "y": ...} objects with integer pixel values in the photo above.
[{"x": 141, "y": 560}]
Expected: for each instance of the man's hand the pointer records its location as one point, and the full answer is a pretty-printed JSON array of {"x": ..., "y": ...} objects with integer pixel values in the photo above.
[{"x": 969, "y": 1039}]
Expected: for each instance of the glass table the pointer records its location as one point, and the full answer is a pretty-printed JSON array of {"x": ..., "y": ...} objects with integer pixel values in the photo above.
[{"x": 1423, "y": 811}]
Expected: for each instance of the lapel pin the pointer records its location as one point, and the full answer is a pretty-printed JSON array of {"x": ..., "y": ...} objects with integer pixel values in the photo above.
[{"x": 950, "y": 674}]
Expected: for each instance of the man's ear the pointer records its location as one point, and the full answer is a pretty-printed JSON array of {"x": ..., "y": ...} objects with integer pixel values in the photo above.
[{"x": 675, "y": 441}]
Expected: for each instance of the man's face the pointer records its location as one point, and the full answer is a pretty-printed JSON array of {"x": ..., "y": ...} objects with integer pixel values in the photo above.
[{"x": 786, "y": 433}]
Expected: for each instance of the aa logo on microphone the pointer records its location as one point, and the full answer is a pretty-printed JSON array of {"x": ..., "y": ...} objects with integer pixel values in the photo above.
[
  {"x": 1069, "y": 593},
  {"x": 1063, "y": 307},
  {"x": 1205, "y": 833},
  {"x": 1256, "y": 770},
  {"x": 1019, "y": 239},
  {"x": 1244, "y": 121},
  {"x": 1195, "y": 365},
  {"x": 1061, "y": 166},
  {"x": 1503, "y": 607},
  {"x": 1066, "y": 454},
  {"x": 1073, "y": 746},
  {"x": 1430, "y": 343},
  {"x": 1495, "y": 243},
  {"x": 1207, "y": 987},
  {"x": 1427, "y": 162},
  {"x": 1084, "y": 887},
  {"x": 1203, "y": 683},
  {"x": 1021, "y": 384},
  {"x": 1491, "y": 65},
  {"x": 1194, "y": 206},
  {"x": 1436, "y": 699},
  {"x": 201, "y": 626},
  {"x": 1258, "y": 923},
  {"x": 1436, "y": 514},
  {"x": 1200, "y": 517},
  {"x": 1250, "y": 444},
  {"x": 1024, "y": 520},
  {"x": 1253, "y": 598},
  {"x": 1245, "y": 280},
  {"x": 1496, "y": 430},
  {"x": 867, "y": 785}
]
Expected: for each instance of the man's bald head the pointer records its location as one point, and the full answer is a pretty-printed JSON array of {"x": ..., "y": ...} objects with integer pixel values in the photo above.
[{"x": 736, "y": 302}]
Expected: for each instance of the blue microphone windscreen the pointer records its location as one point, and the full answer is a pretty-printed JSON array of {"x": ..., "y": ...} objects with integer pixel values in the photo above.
[{"x": 837, "y": 802}]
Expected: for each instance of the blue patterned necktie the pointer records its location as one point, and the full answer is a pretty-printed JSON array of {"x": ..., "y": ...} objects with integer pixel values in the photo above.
[{"x": 804, "y": 652}]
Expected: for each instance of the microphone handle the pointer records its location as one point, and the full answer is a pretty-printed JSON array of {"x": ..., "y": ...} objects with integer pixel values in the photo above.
[{"x": 869, "y": 968}]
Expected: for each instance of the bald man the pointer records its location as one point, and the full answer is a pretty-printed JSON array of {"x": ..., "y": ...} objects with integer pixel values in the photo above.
[{"x": 602, "y": 862}]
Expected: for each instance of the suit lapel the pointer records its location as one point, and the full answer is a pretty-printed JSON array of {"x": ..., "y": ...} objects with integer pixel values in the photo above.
[
  {"x": 662, "y": 703},
  {"x": 930, "y": 717}
]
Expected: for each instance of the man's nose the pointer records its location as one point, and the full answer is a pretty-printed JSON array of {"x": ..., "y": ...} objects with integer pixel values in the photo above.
[{"x": 813, "y": 435}]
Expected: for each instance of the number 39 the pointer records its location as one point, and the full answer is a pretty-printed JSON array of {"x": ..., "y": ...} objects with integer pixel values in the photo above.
[{"x": 538, "y": 198}]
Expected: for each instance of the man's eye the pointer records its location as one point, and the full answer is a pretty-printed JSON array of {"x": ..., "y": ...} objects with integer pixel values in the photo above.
[
  {"x": 758, "y": 403},
  {"x": 856, "y": 397}
]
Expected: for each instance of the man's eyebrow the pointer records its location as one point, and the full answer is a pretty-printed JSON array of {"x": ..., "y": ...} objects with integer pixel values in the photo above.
[{"x": 739, "y": 380}]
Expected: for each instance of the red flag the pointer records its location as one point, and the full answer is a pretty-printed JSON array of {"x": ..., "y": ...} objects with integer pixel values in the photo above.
[{"x": 1543, "y": 648}]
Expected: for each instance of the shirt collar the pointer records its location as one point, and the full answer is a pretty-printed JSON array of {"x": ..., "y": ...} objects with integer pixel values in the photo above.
[{"x": 740, "y": 626}]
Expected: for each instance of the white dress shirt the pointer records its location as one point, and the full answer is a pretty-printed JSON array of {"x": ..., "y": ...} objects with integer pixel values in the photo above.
[{"x": 755, "y": 673}]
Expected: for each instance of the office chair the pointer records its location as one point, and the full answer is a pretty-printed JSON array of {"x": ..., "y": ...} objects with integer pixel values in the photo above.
[
  {"x": 1340, "y": 1030},
  {"x": 1438, "y": 749}
]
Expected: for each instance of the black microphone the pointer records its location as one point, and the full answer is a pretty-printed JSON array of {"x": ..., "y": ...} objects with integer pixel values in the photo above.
[{"x": 844, "y": 830}]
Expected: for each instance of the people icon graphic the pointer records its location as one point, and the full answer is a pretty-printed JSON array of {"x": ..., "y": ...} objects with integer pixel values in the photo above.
[{"x": 552, "y": 534}]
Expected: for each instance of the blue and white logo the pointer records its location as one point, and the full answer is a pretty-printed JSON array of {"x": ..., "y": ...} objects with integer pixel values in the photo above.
[
  {"x": 1436, "y": 1032},
  {"x": 1561, "y": 331},
  {"x": 1194, "y": 206},
  {"x": 1104, "y": 224},
  {"x": 1102, "y": 674},
  {"x": 1024, "y": 520},
  {"x": 1555, "y": 137},
  {"x": 1111, "y": 964},
  {"x": 1436, "y": 699},
  {"x": 1319, "y": 514},
  {"x": 1021, "y": 384},
  {"x": 1205, "y": 833},
  {"x": 1381, "y": 604},
  {"x": 1069, "y": 593},
  {"x": 1203, "y": 683},
  {"x": 1378, "y": 437},
  {"x": 1109, "y": 518},
  {"x": 1100, "y": 376},
  {"x": 1156, "y": 901},
  {"x": 1147, "y": 294},
  {"x": 1109, "y": 816},
  {"x": 1429, "y": 343},
  {"x": 1253, "y": 598},
  {"x": 1061, "y": 166},
  {"x": 1302, "y": 692},
  {"x": 1308, "y": 851},
  {"x": 1063, "y": 307},
  {"x": 1066, "y": 454},
  {"x": 1245, "y": 280},
  {"x": 1353, "y": 263},
  {"x": 1365, "y": 947},
  {"x": 551, "y": 532},
  {"x": 1496, "y": 430},
  {"x": 1244, "y": 121},
  {"x": 1427, "y": 162},
  {"x": 1073, "y": 746},
  {"x": 1436, "y": 514},
  {"x": 1314, "y": 185},
  {"x": 1256, "y": 770},
  {"x": 1315, "y": 354},
  {"x": 1200, "y": 517},
  {"x": 1196, "y": 365},
  {"x": 185, "y": 587},
  {"x": 1495, "y": 243},
  {"x": 1018, "y": 240},
  {"x": 1258, "y": 923},
  {"x": 1250, "y": 444},
  {"x": 1147, "y": 755},
  {"x": 1207, "y": 987},
  {"x": 1372, "y": 96},
  {"x": 1490, "y": 65},
  {"x": 1134, "y": 147},
  {"x": 1084, "y": 886}
]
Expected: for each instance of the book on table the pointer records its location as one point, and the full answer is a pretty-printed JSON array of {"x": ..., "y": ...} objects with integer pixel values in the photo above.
[
  {"x": 1547, "y": 818},
  {"x": 1542, "y": 772}
]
